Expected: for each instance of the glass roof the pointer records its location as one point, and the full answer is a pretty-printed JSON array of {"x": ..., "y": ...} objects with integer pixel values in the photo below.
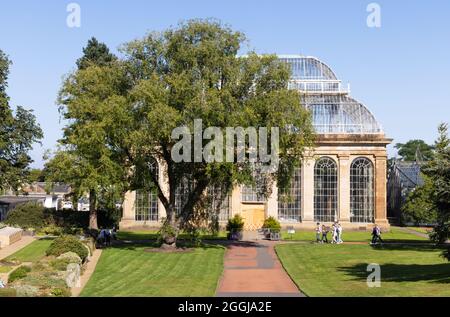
[
  {"x": 307, "y": 67},
  {"x": 333, "y": 110}
]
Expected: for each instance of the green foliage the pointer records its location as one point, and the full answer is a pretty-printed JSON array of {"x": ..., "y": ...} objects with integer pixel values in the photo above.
[
  {"x": 419, "y": 207},
  {"x": 28, "y": 215},
  {"x": 61, "y": 292},
  {"x": 235, "y": 224},
  {"x": 122, "y": 114},
  {"x": 95, "y": 53},
  {"x": 19, "y": 273},
  {"x": 56, "y": 222},
  {"x": 65, "y": 244},
  {"x": 37, "y": 175},
  {"x": 409, "y": 150},
  {"x": 18, "y": 132},
  {"x": 273, "y": 224},
  {"x": 84, "y": 160},
  {"x": 438, "y": 170},
  {"x": 52, "y": 230}
]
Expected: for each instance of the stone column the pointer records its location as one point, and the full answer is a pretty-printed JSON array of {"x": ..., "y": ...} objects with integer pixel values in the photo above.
[
  {"x": 308, "y": 189},
  {"x": 128, "y": 216},
  {"x": 235, "y": 201},
  {"x": 272, "y": 202},
  {"x": 380, "y": 190},
  {"x": 128, "y": 206},
  {"x": 344, "y": 188}
]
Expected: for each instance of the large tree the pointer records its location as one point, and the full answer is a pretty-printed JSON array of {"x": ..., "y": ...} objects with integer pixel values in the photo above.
[
  {"x": 18, "y": 132},
  {"x": 166, "y": 81},
  {"x": 438, "y": 170},
  {"x": 84, "y": 158},
  {"x": 419, "y": 207},
  {"x": 415, "y": 150}
]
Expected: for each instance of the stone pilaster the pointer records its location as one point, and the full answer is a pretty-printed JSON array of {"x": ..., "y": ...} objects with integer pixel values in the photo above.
[
  {"x": 272, "y": 202},
  {"x": 308, "y": 189},
  {"x": 235, "y": 201},
  {"x": 344, "y": 188},
  {"x": 380, "y": 190}
]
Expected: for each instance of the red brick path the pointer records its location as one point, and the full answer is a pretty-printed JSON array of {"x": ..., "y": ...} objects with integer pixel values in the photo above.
[{"x": 253, "y": 269}]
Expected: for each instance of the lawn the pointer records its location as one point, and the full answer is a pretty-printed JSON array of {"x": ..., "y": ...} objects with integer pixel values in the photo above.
[
  {"x": 32, "y": 252},
  {"x": 153, "y": 235},
  {"x": 341, "y": 270},
  {"x": 421, "y": 229},
  {"x": 394, "y": 235},
  {"x": 132, "y": 271}
]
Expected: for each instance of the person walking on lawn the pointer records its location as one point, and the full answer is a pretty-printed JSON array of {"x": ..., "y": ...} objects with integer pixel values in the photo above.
[
  {"x": 325, "y": 230},
  {"x": 339, "y": 233},
  {"x": 334, "y": 233},
  {"x": 376, "y": 235},
  {"x": 318, "y": 233}
]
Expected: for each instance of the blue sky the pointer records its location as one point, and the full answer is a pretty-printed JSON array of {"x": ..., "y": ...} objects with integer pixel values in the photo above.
[{"x": 400, "y": 71}]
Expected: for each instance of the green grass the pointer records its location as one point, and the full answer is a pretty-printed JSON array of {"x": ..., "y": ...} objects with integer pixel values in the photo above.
[
  {"x": 421, "y": 230},
  {"x": 131, "y": 271},
  {"x": 5, "y": 268},
  {"x": 32, "y": 252},
  {"x": 394, "y": 235},
  {"x": 153, "y": 235},
  {"x": 341, "y": 270}
]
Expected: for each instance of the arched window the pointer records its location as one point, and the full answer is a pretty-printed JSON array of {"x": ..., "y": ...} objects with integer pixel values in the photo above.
[
  {"x": 361, "y": 191},
  {"x": 325, "y": 190},
  {"x": 146, "y": 203},
  {"x": 289, "y": 201}
]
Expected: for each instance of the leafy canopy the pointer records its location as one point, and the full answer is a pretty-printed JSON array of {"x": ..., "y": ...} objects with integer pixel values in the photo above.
[
  {"x": 438, "y": 170},
  {"x": 18, "y": 132},
  {"x": 123, "y": 114},
  {"x": 415, "y": 150}
]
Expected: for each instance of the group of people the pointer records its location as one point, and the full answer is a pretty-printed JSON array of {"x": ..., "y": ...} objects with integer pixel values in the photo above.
[
  {"x": 105, "y": 236},
  {"x": 336, "y": 233},
  {"x": 322, "y": 233}
]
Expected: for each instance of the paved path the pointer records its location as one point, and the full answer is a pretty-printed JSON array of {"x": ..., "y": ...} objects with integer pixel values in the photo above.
[
  {"x": 88, "y": 271},
  {"x": 252, "y": 269},
  {"x": 13, "y": 248}
]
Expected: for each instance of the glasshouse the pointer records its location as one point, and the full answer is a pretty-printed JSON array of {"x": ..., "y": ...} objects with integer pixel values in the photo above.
[{"x": 342, "y": 179}]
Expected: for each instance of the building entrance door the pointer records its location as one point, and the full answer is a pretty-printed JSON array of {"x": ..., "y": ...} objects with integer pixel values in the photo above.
[{"x": 253, "y": 217}]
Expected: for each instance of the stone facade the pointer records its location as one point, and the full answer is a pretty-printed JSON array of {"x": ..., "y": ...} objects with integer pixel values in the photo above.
[{"x": 343, "y": 149}]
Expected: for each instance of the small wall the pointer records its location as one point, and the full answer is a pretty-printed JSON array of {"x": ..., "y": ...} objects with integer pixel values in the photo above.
[{"x": 9, "y": 235}]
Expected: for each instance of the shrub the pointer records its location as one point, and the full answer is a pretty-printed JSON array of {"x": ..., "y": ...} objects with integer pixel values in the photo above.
[
  {"x": 70, "y": 257},
  {"x": 28, "y": 215},
  {"x": 26, "y": 290},
  {"x": 236, "y": 223},
  {"x": 19, "y": 273},
  {"x": 52, "y": 230},
  {"x": 272, "y": 224},
  {"x": 61, "y": 292},
  {"x": 66, "y": 244}
]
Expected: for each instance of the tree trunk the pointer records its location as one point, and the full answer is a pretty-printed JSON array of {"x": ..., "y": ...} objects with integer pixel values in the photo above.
[
  {"x": 170, "y": 232},
  {"x": 92, "y": 210}
]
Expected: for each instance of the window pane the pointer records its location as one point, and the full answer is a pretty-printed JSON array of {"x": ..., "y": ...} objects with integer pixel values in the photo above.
[{"x": 325, "y": 190}]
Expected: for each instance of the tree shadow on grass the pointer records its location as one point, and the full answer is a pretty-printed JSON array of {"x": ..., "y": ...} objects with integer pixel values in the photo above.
[
  {"x": 422, "y": 247},
  {"x": 391, "y": 272}
]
